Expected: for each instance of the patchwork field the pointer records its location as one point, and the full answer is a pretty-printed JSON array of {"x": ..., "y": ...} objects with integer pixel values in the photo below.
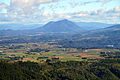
[{"x": 38, "y": 52}]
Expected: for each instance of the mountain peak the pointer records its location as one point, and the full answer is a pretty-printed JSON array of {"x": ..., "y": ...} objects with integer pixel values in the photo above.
[
  {"x": 60, "y": 26},
  {"x": 64, "y": 20}
]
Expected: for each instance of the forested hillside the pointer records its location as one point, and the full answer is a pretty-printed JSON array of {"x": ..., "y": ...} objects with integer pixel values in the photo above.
[
  {"x": 101, "y": 38},
  {"x": 108, "y": 69}
]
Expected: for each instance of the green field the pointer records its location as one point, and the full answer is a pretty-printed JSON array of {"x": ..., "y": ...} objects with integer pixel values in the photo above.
[
  {"x": 72, "y": 59},
  {"x": 52, "y": 54}
]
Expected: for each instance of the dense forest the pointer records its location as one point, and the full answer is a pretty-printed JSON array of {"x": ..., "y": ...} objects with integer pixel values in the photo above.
[{"x": 106, "y": 69}]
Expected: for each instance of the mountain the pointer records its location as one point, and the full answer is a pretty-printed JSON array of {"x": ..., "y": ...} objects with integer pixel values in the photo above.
[
  {"x": 15, "y": 26},
  {"x": 92, "y": 25},
  {"x": 102, "y": 38},
  {"x": 63, "y": 26},
  {"x": 112, "y": 30},
  {"x": 60, "y": 26},
  {"x": 108, "y": 30},
  {"x": 114, "y": 27}
]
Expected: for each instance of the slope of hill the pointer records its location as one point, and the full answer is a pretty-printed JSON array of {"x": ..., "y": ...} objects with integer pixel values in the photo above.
[
  {"x": 101, "y": 38},
  {"x": 15, "y": 26},
  {"x": 60, "y": 26},
  {"x": 92, "y": 25},
  {"x": 109, "y": 32}
]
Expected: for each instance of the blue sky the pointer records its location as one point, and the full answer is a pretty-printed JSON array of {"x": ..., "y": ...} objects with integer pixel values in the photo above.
[{"x": 43, "y": 11}]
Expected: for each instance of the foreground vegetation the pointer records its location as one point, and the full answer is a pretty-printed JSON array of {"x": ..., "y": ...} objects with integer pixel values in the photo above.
[{"x": 106, "y": 69}]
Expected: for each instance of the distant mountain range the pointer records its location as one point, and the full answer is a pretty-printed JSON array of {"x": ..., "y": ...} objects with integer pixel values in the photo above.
[
  {"x": 15, "y": 26},
  {"x": 93, "y": 25},
  {"x": 58, "y": 26},
  {"x": 70, "y": 34}
]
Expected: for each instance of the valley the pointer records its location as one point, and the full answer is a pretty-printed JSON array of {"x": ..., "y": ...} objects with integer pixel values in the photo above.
[
  {"x": 46, "y": 43},
  {"x": 41, "y": 52},
  {"x": 60, "y": 50},
  {"x": 59, "y": 39}
]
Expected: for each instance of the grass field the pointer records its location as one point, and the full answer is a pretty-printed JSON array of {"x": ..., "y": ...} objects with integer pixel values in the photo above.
[
  {"x": 52, "y": 54},
  {"x": 79, "y": 59}
]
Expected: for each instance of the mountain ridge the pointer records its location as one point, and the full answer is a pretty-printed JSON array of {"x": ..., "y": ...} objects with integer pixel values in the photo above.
[{"x": 93, "y": 25}]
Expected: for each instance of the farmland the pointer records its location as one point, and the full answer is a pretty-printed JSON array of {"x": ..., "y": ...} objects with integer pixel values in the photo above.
[{"x": 40, "y": 52}]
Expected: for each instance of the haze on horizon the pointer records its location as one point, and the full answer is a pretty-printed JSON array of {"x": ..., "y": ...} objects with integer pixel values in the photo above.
[{"x": 43, "y": 11}]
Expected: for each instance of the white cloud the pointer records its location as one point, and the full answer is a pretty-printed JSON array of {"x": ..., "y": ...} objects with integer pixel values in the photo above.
[
  {"x": 102, "y": 15},
  {"x": 26, "y": 10},
  {"x": 78, "y": 15},
  {"x": 73, "y": 4},
  {"x": 29, "y": 11},
  {"x": 2, "y": 6},
  {"x": 28, "y": 3},
  {"x": 26, "y": 6},
  {"x": 117, "y": 8},
  {"x": 104, "y": 0},
  {"x": 96, "y": 1}
]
